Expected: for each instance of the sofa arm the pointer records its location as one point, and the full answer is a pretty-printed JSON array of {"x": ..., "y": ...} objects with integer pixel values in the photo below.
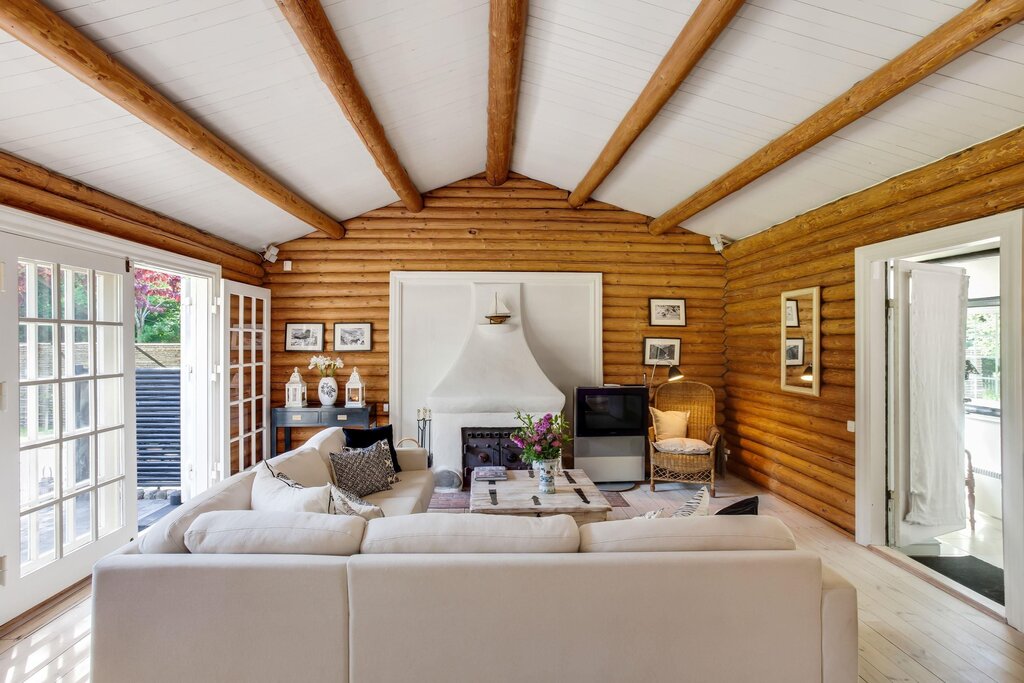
[
  {"x": 179, "y": 617},
  {"x": 839, "y": 647},
  {"x": 411, "y": 458}
]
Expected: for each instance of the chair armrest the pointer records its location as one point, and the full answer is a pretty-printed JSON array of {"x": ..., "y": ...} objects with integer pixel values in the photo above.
[
  {"x": 714, "y": 434},
  {"x": 411, "y": 458},
  {"x": 838, "y": 628}
]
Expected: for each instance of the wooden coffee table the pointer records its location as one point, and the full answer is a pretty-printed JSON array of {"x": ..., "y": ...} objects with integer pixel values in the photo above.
[{"x": 574, "y": 495}]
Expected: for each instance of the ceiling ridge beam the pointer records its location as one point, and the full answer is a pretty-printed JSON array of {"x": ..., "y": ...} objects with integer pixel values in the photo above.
[
  {"x": 696, "y": 37},
  {"x": 313, "y": 29},
  {"x": 507, "y": 29},
  {"x": 31, "y": 174},
  {"x": 45, "y": 32},
  {"x": 968, "y": 29}
]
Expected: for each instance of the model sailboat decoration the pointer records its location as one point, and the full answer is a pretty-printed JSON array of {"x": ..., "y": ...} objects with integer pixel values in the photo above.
[{"x": 499, "y": 314}]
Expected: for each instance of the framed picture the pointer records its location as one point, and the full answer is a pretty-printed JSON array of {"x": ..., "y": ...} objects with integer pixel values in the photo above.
[
  {"x": 794, "y": 352},
  {"x": 792, "y": 313},
  {"x": 304, "y": 337},
  {"x": 667, "y": 312},
  {"x": 353, "y": 336},
  {"x": 661, "y": 351}
]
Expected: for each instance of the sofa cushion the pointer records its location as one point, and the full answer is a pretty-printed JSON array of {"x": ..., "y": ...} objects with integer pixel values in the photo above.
[
  {"x": 275, "y": 533},
  {"x": 168, "y": 535},
  {"x": 363, "y": 438},
  {"x": 471, "y": 533},
  {"x": 410, "y": 494},
  {"x": 364, "y": 470},
  {"x": 669, "y": 424},
  {"x": 686, "y": 534},
  {"x": 303, "y": 466},
  {"x": 273, "y": 491},
  {"x": 682, "y": 446}
]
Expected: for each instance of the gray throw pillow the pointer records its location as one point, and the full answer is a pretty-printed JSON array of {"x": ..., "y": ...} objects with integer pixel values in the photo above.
[{"x": 364, "y": 471}]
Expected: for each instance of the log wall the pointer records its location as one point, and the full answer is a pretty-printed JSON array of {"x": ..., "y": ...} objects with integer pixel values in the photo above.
[
  {"x": 798, "y": 446},
  {"x": 522, "y": 225}
]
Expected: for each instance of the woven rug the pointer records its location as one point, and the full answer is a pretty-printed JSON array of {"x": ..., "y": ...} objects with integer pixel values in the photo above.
[{"x": 459, "y": 500}]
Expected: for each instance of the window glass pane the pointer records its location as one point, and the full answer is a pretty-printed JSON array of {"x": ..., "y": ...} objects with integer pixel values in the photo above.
[
  {"x": 108, "y": 349},
  {"x": 258, "y": 344},
  {"x": 36, "y": 351},
  {"x": 248, "y": 378},
  {"x": 38, "y": 466},
  {"x": 234, "y": 341},
  {"x": 259, "y": 313},
  {"x": 37, "y": 540},
  {"x": 234, "y": 383},
  {"x": 258, "y": 373},
  {"x": 35, "y": 290},
  {"x": 234, "y": 304},
  {"x": 76, "y": 292},
  {"x": 235, "y": 456},
  {"x": 109, "y": 508},
  {"x": 257, "y": 446},
  {"x": 37, "y": 413},
  {"x": 76, "y": 529},
  {"x": 77, "y": 463},
  {"x": 77, "y": 413},
  {"x": 110, "y": 454},
  {"x": 108, "y": 297},
  {"x": 109, "y": 403},
  {"x": 76, "y": 349},
  {"x": 258, "y": 414}
]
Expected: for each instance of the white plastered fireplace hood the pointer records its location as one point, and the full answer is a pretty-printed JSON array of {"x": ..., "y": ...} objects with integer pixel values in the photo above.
[{"x": 494, "y": 375}]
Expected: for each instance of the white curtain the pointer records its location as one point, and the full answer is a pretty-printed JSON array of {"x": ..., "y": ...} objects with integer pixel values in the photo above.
[{"x": 938, "y": 317}]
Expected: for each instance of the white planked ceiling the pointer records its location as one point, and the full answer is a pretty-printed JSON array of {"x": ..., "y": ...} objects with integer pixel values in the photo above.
[{"x": 236, "y": 66}]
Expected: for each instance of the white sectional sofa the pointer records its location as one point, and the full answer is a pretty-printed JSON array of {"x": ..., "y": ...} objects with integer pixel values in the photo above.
[{"x": 443, "y": 597}]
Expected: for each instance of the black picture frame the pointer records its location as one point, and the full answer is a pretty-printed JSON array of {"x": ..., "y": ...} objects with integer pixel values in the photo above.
[
  {"x": 293, "y": 336},
  {"x": 657, "y": 318},
  {"x": 662, "y": 341},
  {"x": 366, "y": 330}
]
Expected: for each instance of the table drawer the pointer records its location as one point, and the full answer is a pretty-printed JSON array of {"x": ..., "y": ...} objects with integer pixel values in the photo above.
[
  {"x": 335, "y": 419},
  {"x": 295, "y": 418}
]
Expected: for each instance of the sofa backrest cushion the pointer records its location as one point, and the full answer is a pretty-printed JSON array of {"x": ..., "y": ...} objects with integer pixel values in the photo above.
[
  {"x": 324, "y": 442},
  {"x": 471, "y": 533},
  {"x": 275, "y": 533},
  {"x": 168, "y": 535},
  {"x": 686, "y": 534},
  {"x": 303, "y": 466},
  {"x": 275, "y": 491}
]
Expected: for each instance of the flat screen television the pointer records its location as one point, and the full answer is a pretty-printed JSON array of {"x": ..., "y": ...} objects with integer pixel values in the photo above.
[{"x": 611, "y": 411}]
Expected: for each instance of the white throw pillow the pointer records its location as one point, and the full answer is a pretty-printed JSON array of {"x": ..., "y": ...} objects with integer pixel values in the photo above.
[
  {"x": 683, "y": 446},
  {"x": 669, "y": 424},
  {"x": 275, "y": 533},
  {"x": 273, "y": 491},
  {"x": 347, "y": 503},
  {"x": 698, "y": 506}
]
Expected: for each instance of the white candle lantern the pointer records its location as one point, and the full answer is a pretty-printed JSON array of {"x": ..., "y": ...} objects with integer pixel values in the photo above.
[
  {"x": 295, "y": 391},
  {"x": 355, "y": 396}
]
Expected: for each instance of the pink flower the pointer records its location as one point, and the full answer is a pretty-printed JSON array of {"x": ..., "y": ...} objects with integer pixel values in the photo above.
[
  {"x": 556, "y": 443},
  {"x": 537, "y": 448},
  {"x": 517, "y": 441}
]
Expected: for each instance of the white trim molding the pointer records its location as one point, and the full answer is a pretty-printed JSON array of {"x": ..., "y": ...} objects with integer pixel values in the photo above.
[{"x": 871, "y": 384}]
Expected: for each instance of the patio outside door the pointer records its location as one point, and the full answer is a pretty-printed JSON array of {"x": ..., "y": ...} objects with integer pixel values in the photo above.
[{"x": 67, "y": 439}]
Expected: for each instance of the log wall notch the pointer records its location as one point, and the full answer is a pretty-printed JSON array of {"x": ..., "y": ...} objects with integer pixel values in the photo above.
[
  {"x": 45, "y": 32},
  {"x": 507, "y": 28},
  {"x": 310, "y": 23},
  {"x": 797, "y": 446},
  {"x": 32, "y": 188},
  {"x": 968, "y": 29},
  {"x": 471, "y": 225},
  {"x": 698, "y": 34}
]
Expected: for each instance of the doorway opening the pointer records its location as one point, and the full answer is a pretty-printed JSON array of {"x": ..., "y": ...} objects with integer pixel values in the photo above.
[{"x": 945, "y": 445}]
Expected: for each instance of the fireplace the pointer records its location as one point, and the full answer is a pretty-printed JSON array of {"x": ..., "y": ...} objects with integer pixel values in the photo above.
[{"x": 488, "y": 447}]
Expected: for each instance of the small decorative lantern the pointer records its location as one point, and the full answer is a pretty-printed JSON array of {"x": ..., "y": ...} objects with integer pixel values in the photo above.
[
  {"x": 295, "y": 391},
  {"x": 354, "y": 391}
]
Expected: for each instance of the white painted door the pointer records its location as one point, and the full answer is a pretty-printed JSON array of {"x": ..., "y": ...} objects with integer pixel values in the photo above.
[
  {"x": 67, "y": 416},
  {"x": 246, "y": 355},
  {"x": 927, "y": 461}
]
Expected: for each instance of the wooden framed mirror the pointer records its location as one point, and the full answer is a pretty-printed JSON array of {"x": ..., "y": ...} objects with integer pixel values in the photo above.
[{"x": 800, "y": 341}]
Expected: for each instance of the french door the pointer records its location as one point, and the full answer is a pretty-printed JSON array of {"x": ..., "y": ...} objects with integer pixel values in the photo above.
[{"x": 67, "y": 438}]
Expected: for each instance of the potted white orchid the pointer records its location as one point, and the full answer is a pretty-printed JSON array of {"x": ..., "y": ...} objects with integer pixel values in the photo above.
[{"x": 328, "y": 387}]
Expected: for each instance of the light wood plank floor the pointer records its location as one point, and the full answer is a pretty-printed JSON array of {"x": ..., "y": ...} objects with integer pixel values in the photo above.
[{"x": 909, "y": 630}]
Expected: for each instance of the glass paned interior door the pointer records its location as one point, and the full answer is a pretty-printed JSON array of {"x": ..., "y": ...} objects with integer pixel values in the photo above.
[
  {"x": 247, "y": 318},
  {"x": 70, "y": 409}
]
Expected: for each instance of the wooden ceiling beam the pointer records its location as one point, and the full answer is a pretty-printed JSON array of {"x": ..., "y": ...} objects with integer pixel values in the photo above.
[
  {"x": 504, "y": 65},
  {"x": 968, "y": 29},
  {"x": 45, "y": 32},
  {"x": 701, "y": 30},
  {"x": 310, "y": 23}
]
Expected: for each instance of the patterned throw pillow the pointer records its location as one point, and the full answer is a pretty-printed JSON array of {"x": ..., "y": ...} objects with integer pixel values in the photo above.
[
  {"x": 364, "y": 471},
  {"x": 347, "y": 503},
  {"x": 695, "y": 507}
]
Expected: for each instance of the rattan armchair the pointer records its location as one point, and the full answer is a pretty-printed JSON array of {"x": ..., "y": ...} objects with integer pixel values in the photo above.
[{"x": 699, "y": 400}]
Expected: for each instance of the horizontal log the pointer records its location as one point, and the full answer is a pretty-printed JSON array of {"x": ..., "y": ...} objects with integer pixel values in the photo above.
[
  {"x": 812, "y": 440},
  {"x": 575, "y": 215},
  {"x": 840, "y": 395},
  {"x": 795, "y": 478},
  {"x": 819, "y": 425},
  {"x": 556, "y": 232},
  {"x": 831, "y": 461},
  {"x": 816, "y": 507},
  {"x": 829, "y": 475}
]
